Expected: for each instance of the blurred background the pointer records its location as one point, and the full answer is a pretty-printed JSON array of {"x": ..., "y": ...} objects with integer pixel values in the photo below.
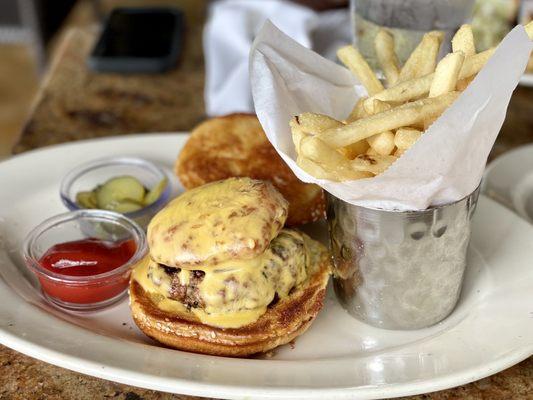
[{"x": 49, "y": 94}]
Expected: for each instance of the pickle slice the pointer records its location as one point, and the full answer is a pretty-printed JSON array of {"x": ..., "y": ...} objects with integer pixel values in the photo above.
[
  {"x": 119, "y": 190},
  {"x": 86, "y": 199},
  {"x": 125, "y": 206},
  {"x": 154, "y": 193}
]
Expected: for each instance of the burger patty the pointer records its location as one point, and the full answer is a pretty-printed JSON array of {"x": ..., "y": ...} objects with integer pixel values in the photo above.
[
  {"x": 188, "y": 294},
  {"x": 282, "y": 268}
]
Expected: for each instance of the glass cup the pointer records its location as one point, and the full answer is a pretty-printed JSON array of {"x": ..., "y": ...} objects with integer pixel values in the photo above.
[
  {"x": 399, "y": 270},
  {"x": 83, "y": 293},
  {"x": 407, "y": 20},
  {"x": 89, "y": 175}
]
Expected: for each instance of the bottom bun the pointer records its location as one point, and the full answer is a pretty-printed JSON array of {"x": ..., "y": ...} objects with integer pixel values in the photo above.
[{"x": 282, "y": 322}]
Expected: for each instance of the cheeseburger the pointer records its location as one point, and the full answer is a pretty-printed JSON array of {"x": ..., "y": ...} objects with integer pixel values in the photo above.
[{"x": 223, "y": 276}]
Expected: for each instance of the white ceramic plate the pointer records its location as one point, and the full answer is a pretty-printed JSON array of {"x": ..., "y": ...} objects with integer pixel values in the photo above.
[
  {"x": 509, "y": 180},
  {"x": 526, "y": 80},
  {"x": 338, "y": 358}
]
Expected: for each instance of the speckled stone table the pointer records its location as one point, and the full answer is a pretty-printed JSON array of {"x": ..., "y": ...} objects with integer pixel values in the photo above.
[{"x": 75, "y": 104}]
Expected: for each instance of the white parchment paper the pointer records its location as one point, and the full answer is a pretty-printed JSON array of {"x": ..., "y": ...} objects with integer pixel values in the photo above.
[{"x": 446, "y": 163}]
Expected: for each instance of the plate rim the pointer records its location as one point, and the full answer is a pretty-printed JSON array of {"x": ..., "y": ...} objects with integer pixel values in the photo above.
[
  {"x": 75, "y": 143},
  {"x": 190, "y": 387},
  {"x": 526, "y": 79},
  {"x": 496, "y": 165},
  {"x": 203, "y": 389},
  {"x": 502, "y": 157}
]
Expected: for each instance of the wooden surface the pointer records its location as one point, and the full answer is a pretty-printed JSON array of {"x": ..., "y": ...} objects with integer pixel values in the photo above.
[{"x": 75, "y": 103}]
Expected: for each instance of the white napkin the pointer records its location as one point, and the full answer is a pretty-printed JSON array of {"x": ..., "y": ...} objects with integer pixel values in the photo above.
[
  {"x": 446, "y": 163},
  {"x": 230, "y": 31}
]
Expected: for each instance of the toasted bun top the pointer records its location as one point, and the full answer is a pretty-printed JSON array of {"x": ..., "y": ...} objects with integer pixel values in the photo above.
[
  {"x": 235, "y": 145},
  {"x": 231, "y": 219}
]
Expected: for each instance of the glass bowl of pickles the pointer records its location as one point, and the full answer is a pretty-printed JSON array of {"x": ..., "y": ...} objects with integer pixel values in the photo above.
[{"x": 131, "y": 186}]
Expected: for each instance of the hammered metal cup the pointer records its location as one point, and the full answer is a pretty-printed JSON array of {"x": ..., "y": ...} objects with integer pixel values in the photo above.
[{"x": 399, "y": 270}]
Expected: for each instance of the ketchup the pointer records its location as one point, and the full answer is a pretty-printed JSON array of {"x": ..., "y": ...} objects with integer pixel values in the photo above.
[{"x": 86, "y": 258}]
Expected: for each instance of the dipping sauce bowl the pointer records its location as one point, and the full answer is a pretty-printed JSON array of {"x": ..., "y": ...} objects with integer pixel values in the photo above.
[{"x": 83, "y": 259}]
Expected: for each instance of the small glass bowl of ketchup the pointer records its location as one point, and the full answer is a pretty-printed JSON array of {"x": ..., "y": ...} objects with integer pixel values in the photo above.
[{"x": 83, "y": 259}]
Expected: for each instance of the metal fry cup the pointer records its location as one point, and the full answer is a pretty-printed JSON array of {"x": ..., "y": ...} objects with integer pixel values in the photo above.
[{"x": 399, "y": 269}]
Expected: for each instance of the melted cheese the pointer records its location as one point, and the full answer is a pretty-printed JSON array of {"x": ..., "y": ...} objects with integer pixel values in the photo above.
[
  {"x": 220, "y": 221},
  {"x": 252, "y": 284},
  {"x": 237, "y": 292},
  {"x": 141, "y": 274}
]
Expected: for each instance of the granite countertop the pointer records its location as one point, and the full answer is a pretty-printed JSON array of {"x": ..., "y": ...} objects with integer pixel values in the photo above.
[{"x": 75, "y": 103}]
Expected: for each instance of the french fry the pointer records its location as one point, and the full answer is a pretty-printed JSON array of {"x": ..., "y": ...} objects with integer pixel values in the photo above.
[
  {"x": 298, "y": 133},
  {"x": 315, "y": 123},
  {"x": 419, "y": 126},
  {"x": 473, "y": 64},
  {"x": 529, "y": 29},
  {"x": 353, "y": 150},
  {"x": 423, "y": 59},
  {"x": 463, "y": 40},
  {"x": 419, "y": 87},
  {"x": 316, "y": 150},
  {"x": 375, "y": 164},
  {"x": 363, "y": 109},
  {"x": 375, "y": 106},
  {"x": 372, "y": 152},
  {"x": 446, "y": 74},
  {"x": 338, "y": 174},
  {"x": 405, "y": 115},
  {"x": 354, "y": 175},
  {"x": 437, "y": 34},
  {"x": 331, "y": 161},
  {"x": 404, "y": 91},
  {"x": 355, "y": 62},
  {"x": 388, "y": 61},
  {"x": 307, "y": 124},
  {"x": 314, "y": 169},
  {"x": 358, "y": 111},
  {"x": 428, "y": 122},
  {"x": 333, "y": 164},
  {"x": 399, "y": 152},
  {"x": 406, "y": 137},
  {"x": 463, "y": 83},
  {"x": 382, "y": 143}
]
